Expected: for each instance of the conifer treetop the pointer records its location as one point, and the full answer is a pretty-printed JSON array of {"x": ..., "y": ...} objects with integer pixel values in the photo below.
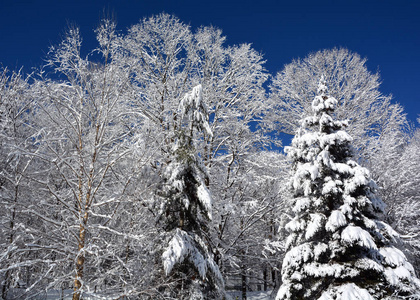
[{"x": 338, "y": 246}]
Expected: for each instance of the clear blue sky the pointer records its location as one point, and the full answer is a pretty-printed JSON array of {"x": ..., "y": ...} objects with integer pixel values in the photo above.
[{"x": 386, "y": 32}]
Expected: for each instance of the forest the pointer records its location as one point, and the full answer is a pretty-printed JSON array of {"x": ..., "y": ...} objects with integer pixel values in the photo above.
[{"x": 159, "y": 166}]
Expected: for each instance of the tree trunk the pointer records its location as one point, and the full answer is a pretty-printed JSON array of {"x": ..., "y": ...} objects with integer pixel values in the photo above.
[
  {"x": 243, "y": 277},
  {"x": 80, "y": 261},
  {"x": 274, "y": 277},
  {"x": 7, "y": 279},
  {"x": 265, "y": 278},
  {"x": 243, "y": 266}
]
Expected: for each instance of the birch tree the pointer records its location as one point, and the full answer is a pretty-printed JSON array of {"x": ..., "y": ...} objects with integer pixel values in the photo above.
[
  {"x": 85, "y": 139},
  {"x": 103, "y": 136},
  {"x": 16, "y": 129}
]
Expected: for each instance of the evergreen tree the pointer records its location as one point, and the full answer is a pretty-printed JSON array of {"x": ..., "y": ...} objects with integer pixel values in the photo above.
[
  {"x": 185, "y": 210},
  {"x": 338, "y": 247}
]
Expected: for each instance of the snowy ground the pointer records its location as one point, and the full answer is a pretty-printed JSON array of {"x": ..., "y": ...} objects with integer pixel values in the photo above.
[
  {"x": 58, "y": 295},
  {"x": 232, "y": 295},
  {"x": 250, "y": 295}
]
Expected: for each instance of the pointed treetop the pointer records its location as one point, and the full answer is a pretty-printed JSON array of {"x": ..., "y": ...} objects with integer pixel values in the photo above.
[
  {"x": 338, "y": 246},
  {"x": 322, "y": 86},
  {"x": 322, "y": 102},
  {"x": 195, "y": 110}
]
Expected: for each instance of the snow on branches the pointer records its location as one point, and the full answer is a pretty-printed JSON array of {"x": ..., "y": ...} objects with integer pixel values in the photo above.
[
  {"x": 186, "y": 208},
  {"x": 185, "y": 247},
  {"x": 195, "y": 110},
  {"x": 338, "y": 247}
]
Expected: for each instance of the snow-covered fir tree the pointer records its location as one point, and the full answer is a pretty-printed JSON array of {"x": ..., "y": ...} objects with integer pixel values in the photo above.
[
  {"x": 338, "y": 247},
  {"x": 186, "y": 209}
]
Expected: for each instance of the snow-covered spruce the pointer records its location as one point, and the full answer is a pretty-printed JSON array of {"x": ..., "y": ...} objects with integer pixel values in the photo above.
[
  {"x": 185, "y": 210},
  {"x": 338, "y": 247}
]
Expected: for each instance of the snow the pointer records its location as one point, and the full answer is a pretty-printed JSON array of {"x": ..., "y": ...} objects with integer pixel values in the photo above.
[
  {"x": 204, "y": 197},
  {"x": 343, "y": 168},
  {"x": 65, "y": 294},
  {"x": 262, "y": 295},
  {"x": 320, "y": 249},
  {"x": 183, "y": 246},
  {"x": 297, "y": 255},
  {"x": 348, "y": 291},
  {"x": 335, "y": 221},
  {"x": 175, "y": 253},
  {"x": 335, "y": 138},
  {"x": 309, "y": 121},
  {"x": 369, "y": 223},
  {"x": 350, "y": 201},
  {"x": 368, "y": 264},
  {"x": 393, "y": 256},
  {"x": 323, "y": 270},
  {"x": 322, "y": 87},
  {"x": 173, "y": 172},
  {"x": 359, "y": 178},
  {"x": 325, "y": 120},
  {"x": 284, "y": 291},
  {"x": 322, "y": 101},
  {"x": 304, "y": 170},
  {"x": 335, "y": 208},
  {"x": 377, "y": 203},
  {"x": 356, "y": 235},
  {"x": 330, "y": 102},
  {"x": 387, "y": 230},
  {"x": 394, "y": 276},
  {"x": 68, "y": 295},
  {"x": 320, "y": 104},
  {"x": 194, "y": 101},
  {"x": 290, "y": 239},
  {"x": 324, "y": 157},
  {"x": 295, "y": 225},
  {"x": 314, "y": 225},
  {"x": 331, "y": 187},
  {"x": 301, "y": 204},
  {"x": 185, "y": 202}
]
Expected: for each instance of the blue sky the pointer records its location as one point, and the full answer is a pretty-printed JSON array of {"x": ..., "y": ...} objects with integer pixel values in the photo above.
[{"x": 386, "y": 32}]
